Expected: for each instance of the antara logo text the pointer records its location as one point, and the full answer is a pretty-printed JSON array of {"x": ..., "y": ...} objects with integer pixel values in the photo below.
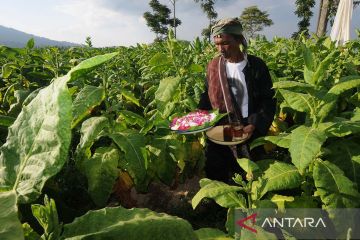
[
  {"x": 293, "y": 222},
  {"x": 288, "y": 222}
]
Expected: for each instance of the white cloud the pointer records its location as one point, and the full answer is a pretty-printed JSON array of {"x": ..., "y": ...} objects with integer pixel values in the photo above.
[
  {"x": 107, "y": 26},
  {"x": 120, "y": 22}
]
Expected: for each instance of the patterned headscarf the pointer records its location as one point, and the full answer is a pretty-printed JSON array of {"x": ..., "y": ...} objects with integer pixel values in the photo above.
[{"x": 228, "y": 25}]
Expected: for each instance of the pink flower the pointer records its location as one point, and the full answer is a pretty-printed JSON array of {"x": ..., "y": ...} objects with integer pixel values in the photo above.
[{"x": 192, "y": 119}]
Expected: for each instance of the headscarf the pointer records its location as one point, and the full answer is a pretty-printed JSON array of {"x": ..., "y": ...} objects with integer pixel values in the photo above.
[{"x": 228, "y": 26}]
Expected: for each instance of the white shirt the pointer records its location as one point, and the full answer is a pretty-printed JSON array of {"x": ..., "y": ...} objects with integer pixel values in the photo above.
[{"x": 236, "y": 78}]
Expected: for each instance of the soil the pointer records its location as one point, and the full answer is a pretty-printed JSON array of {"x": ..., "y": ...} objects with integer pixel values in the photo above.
[{"x": 176, "y": 201}]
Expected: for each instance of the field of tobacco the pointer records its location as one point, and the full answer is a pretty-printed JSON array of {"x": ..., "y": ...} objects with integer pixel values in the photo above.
[{"x": 81, "y": 129}]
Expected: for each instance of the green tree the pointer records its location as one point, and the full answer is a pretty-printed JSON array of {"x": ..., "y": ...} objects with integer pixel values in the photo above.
[
  {"x": 159, "y": 20},
  {"x": 254, "y": 20},
  {"x": 303, "y": 11},
  {"x": 208, "y": 8},
  {"x": 88, "y": 41}
]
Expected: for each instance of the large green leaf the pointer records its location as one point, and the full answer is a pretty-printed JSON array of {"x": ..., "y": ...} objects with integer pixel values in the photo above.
[
  {"x": 90, "y": 131},
  {"x": 305, "y": 145},
  {"x": 42, "y": 129},
  {"x": 133, "y": 145},
  {"x": 309, "y": 66},
  {"x": 131, "y": 224},
  {"x": 281, "y": 176},
  {"x": 160, "y": 62},
  {"x": 211, "y": 234},
  {"x": 166, "y": 108},
  {"x": 334, "y": 189},
  {"x": 298, "y": 101},
  {"x": 330, "y": 99},
  {"x": 292, "y": 85},
  {"x": 88, "y": 98},
  {"x": 101, "y": 172},
  {"x": 343, "y": 153},
  {"x": 320, "y": 73},
  {"x": 282, "y": 140},
  {"x": 132, "y": 118},
  {"x": 167, "y": 88},
  {"x": 340, "y": 128},
  {"x": 248, "y": 165},
  {"x": 88, "y": 65},
  {"x": 162, "y": 148},
  {"x": 308, "y": 76},
  {"x": 130, "y": 97},
  {"x": 308, "y": 58},
  {"x": 215, "y": 189},
  {"x": 345, "y": 84},
  {"x": 303, "y": 202},
  {"x": 10, "y": 226}
]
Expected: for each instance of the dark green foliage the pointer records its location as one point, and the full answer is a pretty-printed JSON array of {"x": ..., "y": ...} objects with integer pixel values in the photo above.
[
  {"x": 88, "y": 41},
  {"x": 159, "y": 20},
  {"x": 254, "y": 20},
  {"x": 208, "y": 8},
  {"x": 303, "y": 11}
]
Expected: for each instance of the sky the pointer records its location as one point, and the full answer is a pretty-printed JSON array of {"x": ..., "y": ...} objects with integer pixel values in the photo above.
[{"x": 120, "y": 22}]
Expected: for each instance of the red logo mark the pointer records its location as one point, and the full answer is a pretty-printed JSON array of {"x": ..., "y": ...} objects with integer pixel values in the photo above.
[{"x": 252, "y": 218}]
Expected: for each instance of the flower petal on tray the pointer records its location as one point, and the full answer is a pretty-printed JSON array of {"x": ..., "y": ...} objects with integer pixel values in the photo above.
[{"x": 197, "y": 120}]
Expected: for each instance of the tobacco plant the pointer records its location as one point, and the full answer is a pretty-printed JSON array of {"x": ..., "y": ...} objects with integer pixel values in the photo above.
[
  {"x": 43, "y": 129},
  {"x": 324, "y": 148},
  {"x": 80, "y": 130}
]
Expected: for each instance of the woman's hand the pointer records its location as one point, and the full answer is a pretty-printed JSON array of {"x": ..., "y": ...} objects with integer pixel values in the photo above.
[{"x": 249, "y": 129}]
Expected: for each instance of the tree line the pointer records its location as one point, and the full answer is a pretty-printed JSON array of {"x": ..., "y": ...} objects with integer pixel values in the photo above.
[{"x": 159, "y": 20}]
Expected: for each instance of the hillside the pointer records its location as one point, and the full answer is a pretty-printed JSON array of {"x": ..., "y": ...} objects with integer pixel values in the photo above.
[{"x": 13, "y": 38}]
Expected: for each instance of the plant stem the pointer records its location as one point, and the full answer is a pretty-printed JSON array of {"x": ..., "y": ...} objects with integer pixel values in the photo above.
[{"x": 249, "y": 194}]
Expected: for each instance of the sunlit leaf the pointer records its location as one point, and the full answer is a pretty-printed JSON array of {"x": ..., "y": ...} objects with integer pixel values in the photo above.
[
  {"x": 101, "y": 172},
  {"x": 334, "y": 189},
  {"x": 10, "y": 226},
  {"x": 130, "y": 224},
  {"x": 132, "y": 144},
  {"x": 282, "y": 176},
  {"x": 215, "y": 189},
  {"x": 86, "y": 100},
  {"x": 42, "y": 129},
  {"x": 130, "y": 97},
  {"x": 90, "y": 132},
  {"x": 298, "y": 101},
  {"x": 343, "y": 153},
  {"x": 88, "y": 65},
  {"x": 305, "y": 145}
]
